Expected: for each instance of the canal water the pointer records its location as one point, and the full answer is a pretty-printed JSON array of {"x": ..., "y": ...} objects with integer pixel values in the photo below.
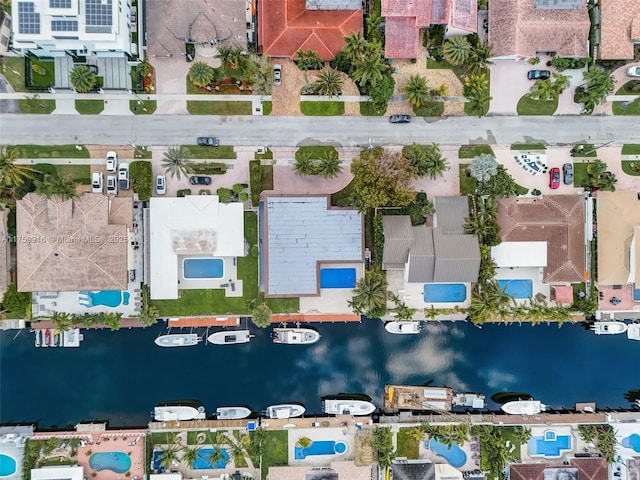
[{"x": 120, "y": 376}]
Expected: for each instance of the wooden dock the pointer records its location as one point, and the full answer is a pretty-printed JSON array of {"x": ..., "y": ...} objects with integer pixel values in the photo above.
[
  {"x": 314, "y": 318},
  {"x": 220, "y": 321}
]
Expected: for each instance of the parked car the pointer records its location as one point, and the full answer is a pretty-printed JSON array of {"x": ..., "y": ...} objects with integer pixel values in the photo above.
[
  {"x": 208, "y": 141},
  {"x": 400, "y": 119},
  {"x": 277, "y": 74},
  {"x": 634, "y": 72},
  {"x": 567, "y": 173},
  {"x": 112, "y": 185},
  {"x": 112, "y": 162},
  {"x": 538, "y": 74},
  {"x": 96, "y": 182},
  {"x": 123, "y": 176},
  {"x": 200, "y": 180},
  {"x": 161, "y": 185},
  {"x": 554, "y": 178}
]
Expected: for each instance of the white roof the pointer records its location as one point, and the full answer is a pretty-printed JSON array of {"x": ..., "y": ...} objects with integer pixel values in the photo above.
[
  {"x": 165, "y": 476},
  {"x": 195, "y": 225},
  {"x": 520, "y": 254},
  {"x": 57, "y": 473}
]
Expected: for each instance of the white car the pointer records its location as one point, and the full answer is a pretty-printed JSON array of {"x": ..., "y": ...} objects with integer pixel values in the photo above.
[
  {"x": 112, "y": 185},
  {"x": 161, "y": 185},
  {"x": 634, "y": 72},
  {"x": 96, "y": 182},
  {"x": 112, "y": 162},
  {"x": 123, "y": 176},
  {"x": 277, "y": 74}
]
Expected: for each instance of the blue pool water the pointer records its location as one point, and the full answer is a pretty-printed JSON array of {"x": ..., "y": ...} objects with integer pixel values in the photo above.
[
  {"x": 203, "y": 268},
  {"x": 632, "y": 441},
  {"x": 322, "y": 447},
  {"x": 7, "y": 465},
  {"x": 105, "y": 298},
  {"x": 445, "y": 292},
  {"x": 454, "y": 455},
  {"x": 203, "y": 461},
  {"x": 118, "y": 462},
  {"x": 157, "y": 460},
  {"x": 544, "y": 447},
  {"x": 337, "y": 278},
  {"x": 517, "y": 288}
]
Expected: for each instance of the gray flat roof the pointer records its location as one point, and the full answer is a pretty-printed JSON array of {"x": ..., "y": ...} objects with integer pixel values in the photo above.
[{"x": 558, "y": 4}]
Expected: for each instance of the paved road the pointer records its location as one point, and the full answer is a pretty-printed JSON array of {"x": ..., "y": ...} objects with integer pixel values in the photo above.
[
  {"x": 296, "y": 131},
  {"x": 9, "y": 105}
]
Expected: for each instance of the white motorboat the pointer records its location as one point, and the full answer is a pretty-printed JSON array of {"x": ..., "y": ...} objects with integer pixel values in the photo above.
[
  {"x": 346, "y": 406},
  {"x": 402, "y": 328},
  {"x": 609, "y": 328},
  {"x": 232, "y": 413},
  {"x": 633, "y": 331},
  {"x": 285, "y": 410},
  {"x": 178, "y": 340},
  {"x": 230, "y": 337},
  {"x": 295, "y": 335},
  {"x": 178, "y": 411},
  {"x": 523, "y": 407},
  {"x": 38, "y": 337}
]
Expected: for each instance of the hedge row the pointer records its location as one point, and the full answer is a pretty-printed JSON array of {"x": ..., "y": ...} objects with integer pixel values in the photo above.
[{"x": 142, "y": 179}]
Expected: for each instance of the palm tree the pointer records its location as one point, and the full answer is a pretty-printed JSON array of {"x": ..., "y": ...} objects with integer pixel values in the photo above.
[
  {"x": 607, "y": 182},
  {"x": 82, "y": 79},
  {"x": 12, "y": 175},
  {"x": 224, "y": 54},
  {"x": 370, "y": 295},
  {"x": 596, "y": 168},
  {"x": 191, "y": 455},
  {"x": 51, "y": 185},
  {"x": 258, "y": 73},
  {"x": 143, "y": 68},
  {"x": 479, "y": 103},
  {"x": 176, "y": 161},
  {"x": 328, "y": 83},
  {"x": 304, "y": 165},
  {"x": 330, "y": 165},
  {"x": 201, "y": 74},
  {"x": 475, "y": 84},
  {"x": 435, "y": 164},
  {"x": 456, "y": 50},
  {"x": 543, "y": 90},
  {"x": 417, "y": 90},
  {"x": 354, "y": 44},
  {"x": 62, "y": 320},
  {"x": 217, "y": 455},
  {"x": 168, "y": 456},
  {"x": 479, "y": 59},
  {"x": 370, "y": 67},
  {"x": 236, "y": 57}
]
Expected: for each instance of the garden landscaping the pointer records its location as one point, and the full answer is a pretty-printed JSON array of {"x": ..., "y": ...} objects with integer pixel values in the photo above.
[
  {"x": 529, "y": 106},
  {"x": 196, "y": 107}
]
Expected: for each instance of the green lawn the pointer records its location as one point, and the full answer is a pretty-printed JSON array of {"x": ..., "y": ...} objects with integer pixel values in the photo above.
[
  {"x": 80, "y": 173},
  {"x": 37, "y": 106},
  {"x": 528, "y": 106},
  {"x": 51, "y": 151},
  {"x": 631, "y": 167},
  {"x": 528, "y": 146},
  {"x": 315, "y": 151},
  {"x": 623, "y": 108},
  {"x": 443, "y": 65},
  {"x": 267, "y": 106},
  {"x": 367, "y": 110},
  {"x": 341, "y": 195},
  {"x": 210, "y": 302},
  {"x": 197, "y": 107},
  {"x": 13, "y": 71},
  {"x": 47, "y": 68},
  {"x": 207, "y": 153},
  {"x": 89, "y": 107},
  {"x": 509, "y": 434},
  {"x": 267, "y": 155},
  {"x": 275, "y": 450},
  {"x": 631, "y": 149},
  {"x": 429, "y": 109},
  {"x": 407, "y": 446},
  {"x": 472, "y": 151},
  {"x": 266, "y": 177},
  {"x": 322, "y": 109},
  {"x": 626, "y": 88},
  {"x": 467, "y": 182},
  {"x": 580, "y": 175},
  {"x": 147, "y": 107}
]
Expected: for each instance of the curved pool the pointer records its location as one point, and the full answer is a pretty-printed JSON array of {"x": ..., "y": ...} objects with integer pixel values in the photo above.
[
  {"x": 7, "y": 465},
  {"x": 118, "y": 462},
  {"x": 454, "y": 454}
]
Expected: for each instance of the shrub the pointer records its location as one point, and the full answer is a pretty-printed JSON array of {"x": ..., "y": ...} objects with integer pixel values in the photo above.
[
  {"x": 15, "y": 301},
  {"x": 208, "y": 168},
  {"x": 561, "y": 63},
  {"x": 142, "y": 179},
  {"x": 255, "y": 251},
  {"x": 255, "y": 181},
  {"x": 243, "y": 196},
  {"x": 184, "y": 192},
  {"x": 225, "y": 195},
  {"x": 534, "y": 60},
  {"x": 303, "y": 442}
]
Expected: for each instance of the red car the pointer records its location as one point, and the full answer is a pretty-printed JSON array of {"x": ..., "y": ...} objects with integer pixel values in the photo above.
[{"x": 554, "y": 178}]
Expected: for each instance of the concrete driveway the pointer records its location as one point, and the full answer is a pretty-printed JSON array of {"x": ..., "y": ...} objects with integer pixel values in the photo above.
[
  {"x": 7, "y": 106},
  {"x": 508, "y": 84}
]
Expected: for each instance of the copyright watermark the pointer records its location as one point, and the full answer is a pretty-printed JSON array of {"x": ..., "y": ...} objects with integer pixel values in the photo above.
[{"x": 58, "y": 239}]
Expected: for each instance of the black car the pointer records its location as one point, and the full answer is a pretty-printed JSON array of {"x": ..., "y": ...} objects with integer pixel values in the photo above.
[
  {"x": 400, "y": 119},
  {"x": 208, "y": 141},
  {"x": 538, "y": 74},
  {"x": 199, "y": 180}
]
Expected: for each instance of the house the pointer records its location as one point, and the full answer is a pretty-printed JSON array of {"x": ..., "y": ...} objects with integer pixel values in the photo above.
[
  {"x": 424, "y": 470},
  {"x": 576, "y": 469},
  {"x": 346, "y": 470},
  {"x": 58, "y": 473},
  {"x": 193, "y": 243},
  {"x": 77, "y": 244},
  {"x": 287, "y": 26},
  {"x": 306, "y": 242},
  {"x": 439, "y": 254},
  {"x": 617, "y": 29},
  {"x": 521, "y": 29},
  {"x": 404, "y": 19}
]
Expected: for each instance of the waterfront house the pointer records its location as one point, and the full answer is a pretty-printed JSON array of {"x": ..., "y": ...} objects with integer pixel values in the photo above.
[
  {"x": 617, "y": 29},
  {"x": 573, "y": 469}
]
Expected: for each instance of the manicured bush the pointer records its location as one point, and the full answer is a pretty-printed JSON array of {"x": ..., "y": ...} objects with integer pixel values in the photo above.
[
  {"x": 225, "y": 195},
  {"x": 255, "y": 181},
  {"x": 142, "y": 179},
  {"x": 14, "y": 301},
  {"x": 184, "y": 192},
  {"x": 208, "y": 168}
]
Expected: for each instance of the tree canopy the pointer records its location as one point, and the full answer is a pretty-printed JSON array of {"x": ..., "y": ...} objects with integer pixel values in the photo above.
[{"x": 483, "y": 167}]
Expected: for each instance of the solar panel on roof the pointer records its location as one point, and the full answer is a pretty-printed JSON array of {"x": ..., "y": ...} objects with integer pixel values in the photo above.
[
  {"x": 28, "y": 19},
  {"x": 59, "y": 3},
  {"x": 98, "y": 16},
  {"x": 64, "y": 25}
]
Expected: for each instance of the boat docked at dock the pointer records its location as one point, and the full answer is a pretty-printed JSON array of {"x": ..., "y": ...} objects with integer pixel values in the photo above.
[
  {"x": 402, "y": 328},
  {"x": 295, "y": 335},
  {"x": 232, "y": 413},
  {"x": 230, "y": 337},
  {"x": 38, "y": 337},
  {"x": 178, "y": 340},
  {"x": 179, "y": 411},
  {"x": 633, "y": 331},
  {"x": 609, "y": 328},
  {"x": 46, "y": 338},
  {"x": 523, "y": 407},
  {"x": 284, "y": 410},
  {"x": 348, "y": 404}
]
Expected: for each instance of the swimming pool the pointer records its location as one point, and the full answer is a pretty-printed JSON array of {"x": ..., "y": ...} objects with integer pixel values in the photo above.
[
  {"x": 549, "y": 445},
  {"x": 104, "y": 298},
  {"x": 337, "y": 278},
  {"x": 517, "y": 288},
  {"x": 632, "y": 442},
  {"x": 203, "y": 461},
  {"x": 454, "y": 455},
  {"x": 445, "y": 292},
  {"x": 7, "y": 465},
  {"x": 321, "y": 447},
  {"x": 203, "y": 268},
  {"x": 118, "y": 462}
]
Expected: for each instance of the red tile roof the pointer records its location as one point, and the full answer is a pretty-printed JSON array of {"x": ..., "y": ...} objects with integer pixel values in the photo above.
[
  {"x": 587, "y": 469},
  {"x": 619, "y": 25},
  {"x": 465, "y": 15},
  {"x": 286, "y": 26},
  {"x": 401, "y": 39}
]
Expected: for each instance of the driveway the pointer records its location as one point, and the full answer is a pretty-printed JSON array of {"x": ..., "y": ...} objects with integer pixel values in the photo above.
[
  {"x": 508, "y": 84},
  {"x": 7, "y": 106}
]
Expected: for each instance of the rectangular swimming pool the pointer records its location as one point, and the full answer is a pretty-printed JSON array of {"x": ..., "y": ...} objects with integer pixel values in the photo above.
[
  {"x": 337, "y": 278},
  {"x": 445, "y": 292},
  {"x": 203, "y": 268},
  {"x": 543, "y": 446},
  {"x": 517, "y": 288}
]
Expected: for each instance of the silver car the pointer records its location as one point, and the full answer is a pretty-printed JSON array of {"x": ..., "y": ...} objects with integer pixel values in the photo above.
[
  {"x": 634, "y": 72},
  {"x": 277, "y": 74}
]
